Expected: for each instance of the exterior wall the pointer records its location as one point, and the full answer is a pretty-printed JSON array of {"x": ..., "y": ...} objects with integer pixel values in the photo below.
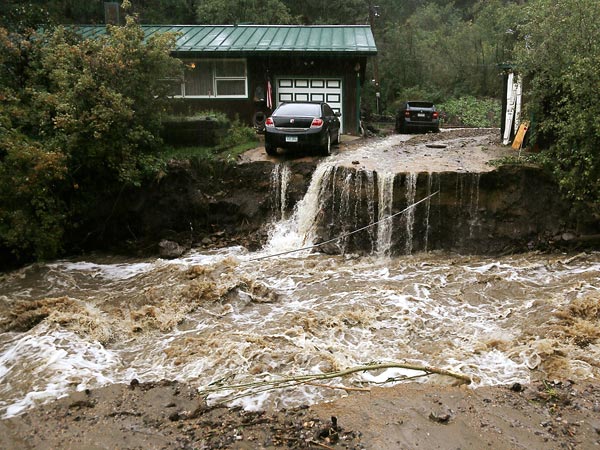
[{"x": 261, "y": 67}]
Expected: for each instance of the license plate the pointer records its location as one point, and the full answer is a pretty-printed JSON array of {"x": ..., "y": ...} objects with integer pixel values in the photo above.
[
  {"x": 291, "y": 139},
  {"x": 420, "y": 114}
]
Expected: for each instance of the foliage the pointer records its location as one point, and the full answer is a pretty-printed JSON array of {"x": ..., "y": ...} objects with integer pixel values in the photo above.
[
  {"x": 217, "y": 116},
  {"x": 329, "y": 11},
  {"x": 441, "y": 51},
  {"x": 80, "y": 120},
  {"x": 238, "y": 139},
  {"x": 471, "y": 112},
  {"x": 231, "y": 12},
  {"x": 560, "y": 57},
  {"x": 17, "y": 15},
  {"x": 238, "y": 134}
]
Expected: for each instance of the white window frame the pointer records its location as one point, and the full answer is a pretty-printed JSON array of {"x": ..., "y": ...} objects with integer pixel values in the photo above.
[{"x": 216, "y": 78}]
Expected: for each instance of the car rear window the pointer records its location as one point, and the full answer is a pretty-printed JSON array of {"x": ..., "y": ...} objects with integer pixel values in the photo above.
[
  {"x": 299, "y": 109},
  {"x": 420, "y": 105}
]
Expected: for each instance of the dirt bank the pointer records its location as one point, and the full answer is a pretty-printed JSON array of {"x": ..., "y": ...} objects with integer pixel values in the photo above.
[{"x": 169, "y": 415}]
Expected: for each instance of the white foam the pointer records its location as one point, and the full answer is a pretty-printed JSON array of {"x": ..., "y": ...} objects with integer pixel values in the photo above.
[{"x": 54, "y": 361}]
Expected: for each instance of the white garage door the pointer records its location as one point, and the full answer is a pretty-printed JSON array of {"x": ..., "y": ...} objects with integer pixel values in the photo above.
[{"x": 327, "y": 90}]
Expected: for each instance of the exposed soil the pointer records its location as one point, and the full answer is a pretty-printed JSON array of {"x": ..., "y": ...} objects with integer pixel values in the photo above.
[{"x": 169, "y": 415}]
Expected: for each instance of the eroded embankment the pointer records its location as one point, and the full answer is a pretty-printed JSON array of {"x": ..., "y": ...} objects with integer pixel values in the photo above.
[
  {"x": 473, "y": 207},
  {"x": 512, "y": 208}
]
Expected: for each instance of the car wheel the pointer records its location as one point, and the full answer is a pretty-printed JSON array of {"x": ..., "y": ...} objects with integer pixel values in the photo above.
[
  {"x": 326, "y": 150},
  {"x": 271, "y": 151}
]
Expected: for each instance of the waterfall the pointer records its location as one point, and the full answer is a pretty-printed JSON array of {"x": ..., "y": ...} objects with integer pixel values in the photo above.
[
  {"x": 409, "y": 216},
  {"x": 299, "y": 229},
  {"x": 427, "y": 212},
  {"x": 280, "y": 178},
  {"x": 474, "y": 204},
  {"x": 338, "y": 201},
  {"x": 385, "y": 185},
  {"x": 370, "y": 196}
]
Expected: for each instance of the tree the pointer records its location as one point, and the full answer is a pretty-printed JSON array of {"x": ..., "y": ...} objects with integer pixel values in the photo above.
[
  {"x": 80, "y": 121},
  {"x": 229, "y": 12},
  {"x": 560, "y": 58}
]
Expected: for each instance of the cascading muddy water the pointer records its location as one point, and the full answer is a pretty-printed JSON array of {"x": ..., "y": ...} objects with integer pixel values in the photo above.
[
  {"x": 340, "y": 200},
  {"x": 280, "y": 179},
  {"x": 409, "y": 216},
  {"x": 298, "y": 231},
  {"x": 385, "y": 184}
]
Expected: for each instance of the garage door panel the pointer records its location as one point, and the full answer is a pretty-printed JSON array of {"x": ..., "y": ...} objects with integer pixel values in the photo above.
[
  {"x": 333, "y": 98},
  {"x": 311, "y": 89}
]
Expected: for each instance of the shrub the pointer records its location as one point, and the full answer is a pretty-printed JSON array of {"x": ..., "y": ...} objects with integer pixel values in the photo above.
[{"x": 471, "y": 112}]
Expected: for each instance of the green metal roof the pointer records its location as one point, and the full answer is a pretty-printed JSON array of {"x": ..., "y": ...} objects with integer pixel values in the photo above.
[{"x": 262, "y": 39}]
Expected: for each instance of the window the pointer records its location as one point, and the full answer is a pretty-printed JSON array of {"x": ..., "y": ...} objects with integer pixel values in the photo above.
[{"x": 223, "y": 78}]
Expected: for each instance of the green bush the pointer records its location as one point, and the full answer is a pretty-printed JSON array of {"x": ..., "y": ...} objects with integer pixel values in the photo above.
[
  {"x": 471, "y": 112},
  {"x": 562, "y": 69},
  {"x": 238, "y": 134}
]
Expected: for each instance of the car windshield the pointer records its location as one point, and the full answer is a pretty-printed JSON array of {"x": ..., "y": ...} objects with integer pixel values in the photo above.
[
  {"x": 299, "y": 109},
  {"x": 420, "y": 105}
]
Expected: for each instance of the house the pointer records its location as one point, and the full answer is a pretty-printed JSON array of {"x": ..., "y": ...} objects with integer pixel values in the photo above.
[{"x": 247, "y": 70}]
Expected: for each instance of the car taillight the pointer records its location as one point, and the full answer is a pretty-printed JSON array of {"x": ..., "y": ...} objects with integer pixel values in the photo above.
[
  {"x": 407, "y": 113},
  {"x": 435, "y": 114},
  {"x": 269, "y": 122},
  {"x": 316, "y": 123}
]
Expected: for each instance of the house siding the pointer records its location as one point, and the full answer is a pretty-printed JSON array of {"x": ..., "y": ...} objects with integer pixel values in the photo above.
[{"x": 261, "y": 67}]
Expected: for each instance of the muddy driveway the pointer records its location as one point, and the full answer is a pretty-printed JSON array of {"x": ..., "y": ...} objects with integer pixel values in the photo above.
[{"x": 456, "y": 150}]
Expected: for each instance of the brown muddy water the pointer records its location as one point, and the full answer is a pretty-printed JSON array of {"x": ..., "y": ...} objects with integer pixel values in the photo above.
[
  {"x": 232, "y": 316},
  {"x": 227, "y": 317}
]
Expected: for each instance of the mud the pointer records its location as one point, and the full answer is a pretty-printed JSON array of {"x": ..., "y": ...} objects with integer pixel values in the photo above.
[{"x": 171, "y": 415}]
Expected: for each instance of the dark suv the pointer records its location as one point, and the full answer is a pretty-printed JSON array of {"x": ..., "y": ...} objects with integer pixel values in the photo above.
[{"x": 417, "y": 115}]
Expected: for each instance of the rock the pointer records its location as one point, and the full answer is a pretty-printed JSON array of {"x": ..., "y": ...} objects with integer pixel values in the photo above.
[
  {"x": 170, "y": 249},
  {"x": 517, "y": 387},
  {"x": 439, "y": 417}
]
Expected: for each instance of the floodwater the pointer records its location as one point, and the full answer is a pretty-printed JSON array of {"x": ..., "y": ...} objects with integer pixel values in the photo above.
[{"x": 226, "y": 317}]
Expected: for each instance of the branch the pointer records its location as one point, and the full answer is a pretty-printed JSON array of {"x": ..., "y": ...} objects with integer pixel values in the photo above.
[{"x": 266, "y": 385}]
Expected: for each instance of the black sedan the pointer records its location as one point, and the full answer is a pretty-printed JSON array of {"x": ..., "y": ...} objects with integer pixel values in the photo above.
[
  {"x": 302, "y": 125},
  {"x": 417, "y": 116}
]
